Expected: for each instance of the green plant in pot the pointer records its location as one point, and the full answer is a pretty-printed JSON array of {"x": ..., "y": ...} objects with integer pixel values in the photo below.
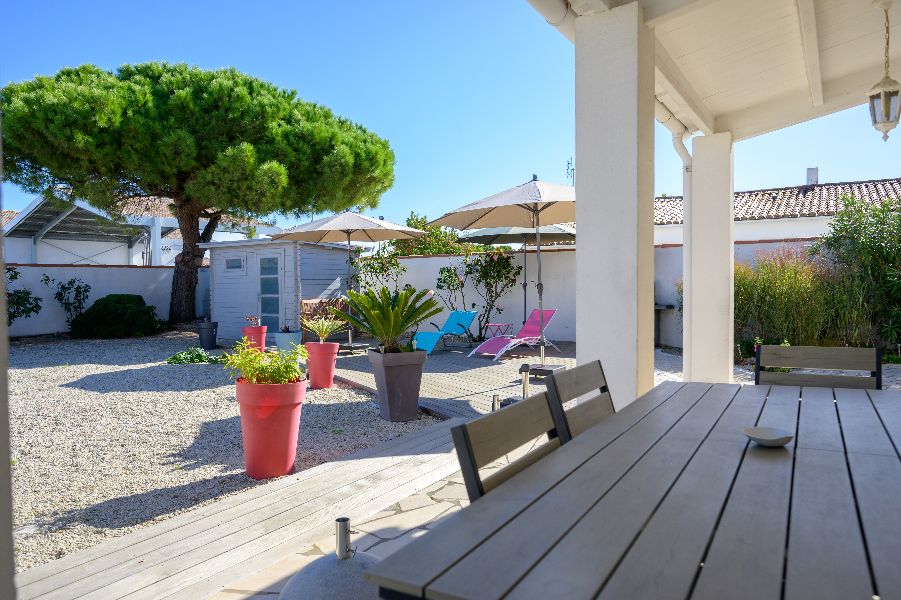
[
  {"x": 323, "y": 353},
  {"x": 270, "y": 389},
  {"x": 387, "y": 316}
]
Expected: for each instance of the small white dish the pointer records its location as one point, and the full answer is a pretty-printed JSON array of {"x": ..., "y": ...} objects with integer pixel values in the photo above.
[{"x": 768, "y": 436}]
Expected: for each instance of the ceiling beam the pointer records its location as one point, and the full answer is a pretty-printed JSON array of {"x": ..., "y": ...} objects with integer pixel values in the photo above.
[
  {"x": 687, "y": 101},
  {"x": 811, "y": 50},
  {"x": 53, "y": 223},
  {"x": 660, "y": 11}
]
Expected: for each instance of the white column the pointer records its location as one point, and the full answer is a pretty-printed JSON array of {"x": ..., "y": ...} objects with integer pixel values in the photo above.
[
  {"x": 615, "y": 198},
  {"x": 707, "y": 262},
  {"x": 155, "y": 242}
]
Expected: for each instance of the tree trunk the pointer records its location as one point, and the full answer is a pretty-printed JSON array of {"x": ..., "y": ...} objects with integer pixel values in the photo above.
[{"x": 187, "y": 262}]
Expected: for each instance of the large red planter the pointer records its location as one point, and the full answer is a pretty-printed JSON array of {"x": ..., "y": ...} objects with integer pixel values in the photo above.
[
  {"x": 321, "y": 363},
  {"x": 256, "y": 336},
  {"x": 270, "y": 424}
]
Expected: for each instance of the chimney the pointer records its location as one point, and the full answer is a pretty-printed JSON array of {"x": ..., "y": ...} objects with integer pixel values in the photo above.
[{"x": 813, "y": 175}]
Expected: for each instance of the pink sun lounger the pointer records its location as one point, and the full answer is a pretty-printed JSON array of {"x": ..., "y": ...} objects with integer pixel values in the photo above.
[{"x": 528, "y": 335}]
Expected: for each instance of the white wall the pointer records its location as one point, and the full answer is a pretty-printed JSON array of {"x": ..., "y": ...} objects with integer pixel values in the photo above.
[
  {"x": 63, "y": 252},
  {"x": 558, "y": 271},
  {"x": 558, "y": 275},
  {"x": 153, "y": 283},
  {"x": 755, "y": 231}
]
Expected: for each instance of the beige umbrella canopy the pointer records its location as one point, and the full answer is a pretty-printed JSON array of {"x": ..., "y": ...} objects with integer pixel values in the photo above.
[
  {"x": 349, "y": 227},
  {"x": 527, "y": 205}
]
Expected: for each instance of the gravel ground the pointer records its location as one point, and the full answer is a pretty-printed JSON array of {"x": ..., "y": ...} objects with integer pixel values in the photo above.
[{"x": 107, "y": 437}]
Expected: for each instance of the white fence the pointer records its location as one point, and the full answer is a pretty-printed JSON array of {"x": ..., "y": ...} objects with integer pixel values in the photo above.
[
  {"x": 153, "y": 283},
  {"x": 560, "y": 286}
]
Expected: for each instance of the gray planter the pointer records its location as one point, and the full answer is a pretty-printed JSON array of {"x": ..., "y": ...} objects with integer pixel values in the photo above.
[
  {"x": 397, "y": 379},
  {"x": 287, "y": 341},
  {"x": 207, "y": 331}
]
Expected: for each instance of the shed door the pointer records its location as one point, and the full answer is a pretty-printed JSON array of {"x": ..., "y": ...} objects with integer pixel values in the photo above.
[{"x": 270, "y": 263}]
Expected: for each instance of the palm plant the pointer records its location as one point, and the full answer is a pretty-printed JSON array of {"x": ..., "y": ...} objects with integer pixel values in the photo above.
[
  {"x": 322, "y": 327},
  {"x": 387, "y": 315}
]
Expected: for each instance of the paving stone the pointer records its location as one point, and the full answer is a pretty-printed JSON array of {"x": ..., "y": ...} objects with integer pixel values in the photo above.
[
  {"x": 415, "y": 501},
  {"x": 385, "y": 549},
  {"x": 452, "y": 491},
  {"x": 396, "y": 525}
]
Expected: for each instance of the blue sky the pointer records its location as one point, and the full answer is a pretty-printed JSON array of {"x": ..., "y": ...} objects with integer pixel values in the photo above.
[{"x": 474, "y": 96}]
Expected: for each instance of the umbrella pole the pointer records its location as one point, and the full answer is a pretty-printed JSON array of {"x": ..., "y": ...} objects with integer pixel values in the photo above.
[
  {"x": 350, "y": 328},
  {"x": 536, "y": 218},
  {"x": 525, "y": 282}
]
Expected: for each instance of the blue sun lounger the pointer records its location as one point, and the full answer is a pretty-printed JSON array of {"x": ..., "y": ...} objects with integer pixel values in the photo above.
[{"x": 457, "y": 323}]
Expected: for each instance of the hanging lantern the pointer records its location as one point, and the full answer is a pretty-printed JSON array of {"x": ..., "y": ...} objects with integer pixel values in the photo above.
[{"x": 885, "y": 96}]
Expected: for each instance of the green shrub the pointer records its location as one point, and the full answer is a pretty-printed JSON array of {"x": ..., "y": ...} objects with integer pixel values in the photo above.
[
  {"x": 195, "y": 355},
  {"x": 864, "y": 240},
  {"x": 117, "y": 316},
  {"x": 20, "y": 304}
]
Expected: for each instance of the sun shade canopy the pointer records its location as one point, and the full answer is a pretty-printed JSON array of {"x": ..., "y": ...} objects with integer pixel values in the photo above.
[{"x": 347, "y": 227}]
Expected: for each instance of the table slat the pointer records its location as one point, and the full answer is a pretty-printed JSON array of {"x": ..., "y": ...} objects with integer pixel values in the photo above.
[
  {"x": 826, "y": 554},
  {"x": 664, "y": 560},
  {"x": 637, "y": 471},
  {"x": 876, "y": 474},
  {"x": 412, "y": 567},
  {"x": 818, "y": 421},
  {"x": 746, "y": 556},
  {"x": 888, "y": 405},
  {"x": 861, "y": 427}
]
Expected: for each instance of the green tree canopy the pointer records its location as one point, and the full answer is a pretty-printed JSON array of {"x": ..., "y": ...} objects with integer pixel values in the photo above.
[
  {"x": 219, "y": 144},
  {"x": 437, "y": 240}
]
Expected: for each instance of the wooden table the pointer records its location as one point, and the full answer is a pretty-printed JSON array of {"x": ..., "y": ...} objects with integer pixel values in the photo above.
[{"x": 667, "y": 499}]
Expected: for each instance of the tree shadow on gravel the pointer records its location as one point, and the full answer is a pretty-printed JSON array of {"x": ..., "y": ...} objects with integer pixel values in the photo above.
[
  {"x": 48, "y": 351},
  {"x": 128, "y": 511},
  {"x": 155, "y": 378}
]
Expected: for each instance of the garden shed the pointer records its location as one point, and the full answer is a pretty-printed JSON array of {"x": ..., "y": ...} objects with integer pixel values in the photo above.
[{"x": 266, "y": 277}]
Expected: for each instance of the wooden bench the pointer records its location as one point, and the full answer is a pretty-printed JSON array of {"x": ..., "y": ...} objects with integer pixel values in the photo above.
[{"x": 819, "y": 358}]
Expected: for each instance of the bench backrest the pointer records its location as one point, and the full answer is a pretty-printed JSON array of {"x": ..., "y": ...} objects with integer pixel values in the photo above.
[
  {"x": 819, "y": 358},
  {"x": 485, "y": 440},
  {"x": 570, "y": 384}
]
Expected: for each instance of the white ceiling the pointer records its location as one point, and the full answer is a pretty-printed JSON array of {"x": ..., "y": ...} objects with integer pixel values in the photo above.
[{"x": 754, "y": 66}]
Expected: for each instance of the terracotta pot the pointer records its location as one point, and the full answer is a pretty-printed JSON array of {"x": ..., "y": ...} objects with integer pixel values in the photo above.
[
  {"x": 398, "y": 376},
  {"x": 256, "y": 336},
  {"x": 270, "y": 425},
  {"x": 321, "y": 363}
]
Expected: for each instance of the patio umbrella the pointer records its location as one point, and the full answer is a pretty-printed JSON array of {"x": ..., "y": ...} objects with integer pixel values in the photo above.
[
  {"x": 525, "y": 205},
  {"x": 520, "y": 235},
  {"x": 348, "y": 227}
]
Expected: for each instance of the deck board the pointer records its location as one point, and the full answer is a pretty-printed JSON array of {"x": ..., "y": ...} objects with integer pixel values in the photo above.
[{"x": 199, "y": 551}]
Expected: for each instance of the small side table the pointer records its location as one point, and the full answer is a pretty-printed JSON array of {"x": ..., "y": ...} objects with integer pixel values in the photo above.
[{"x": 496, "y": 329}]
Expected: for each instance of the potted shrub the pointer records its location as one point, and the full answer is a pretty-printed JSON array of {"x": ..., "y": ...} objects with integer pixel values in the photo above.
[
  {"x": 254, "y": 332},
  {"x": 397, "y": 367},
  {"x": 323, "y": 354},
  {"x": 270, "y": 388},
  {"x": 286, "y": 339}
]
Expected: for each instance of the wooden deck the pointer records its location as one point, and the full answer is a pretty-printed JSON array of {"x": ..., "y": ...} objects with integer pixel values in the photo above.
[
  {"x": 198, "y": 553},
  {"x": 456, "y": 386}
]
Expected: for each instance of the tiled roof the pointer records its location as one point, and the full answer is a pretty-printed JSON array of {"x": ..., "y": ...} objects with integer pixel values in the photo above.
[
  {"x": 818, "y": 200},
  {"x": 6, "y": 216},
  {"x": 162, "y": 207}
]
